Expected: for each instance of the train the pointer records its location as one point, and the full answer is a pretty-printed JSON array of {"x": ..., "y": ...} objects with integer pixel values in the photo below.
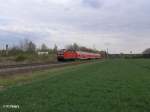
[{"x": 64, "y": 54}]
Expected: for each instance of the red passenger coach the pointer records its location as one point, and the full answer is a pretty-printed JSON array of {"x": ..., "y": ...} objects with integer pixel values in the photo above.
[
  {"x": 87, "y": 55},
  {"x": 72, "y": 55}
]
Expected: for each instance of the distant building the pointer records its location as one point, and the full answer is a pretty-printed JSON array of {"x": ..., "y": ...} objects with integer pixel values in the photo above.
[{"x": 42, "y": 53}]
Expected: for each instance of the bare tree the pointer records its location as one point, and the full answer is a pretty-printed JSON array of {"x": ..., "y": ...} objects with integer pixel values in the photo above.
[
  {"x": 44, "y": 47},
  {"x": 55, "y": 48},
  {"x": 27, "y": 46},
  {"x": 15, "y": 50},
  {"x": 31, "y": 47},
  {"x": 74, "y": 46},
  {"x": 69, "y": 47},
  {"x": 147, "y": 51}
]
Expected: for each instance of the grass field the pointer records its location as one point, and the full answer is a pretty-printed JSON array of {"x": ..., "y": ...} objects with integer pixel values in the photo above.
[{"x": 109, "y": 86}]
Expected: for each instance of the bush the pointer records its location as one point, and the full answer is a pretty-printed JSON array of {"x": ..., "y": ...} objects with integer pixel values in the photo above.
[{"x": 21, "y": 58}]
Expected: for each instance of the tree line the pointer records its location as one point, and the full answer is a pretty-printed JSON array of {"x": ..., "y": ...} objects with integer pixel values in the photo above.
[
  {"x": 27, "y": 46},
  {"x": 144, "y": 54},
  {"x": 77, "y": 47}
]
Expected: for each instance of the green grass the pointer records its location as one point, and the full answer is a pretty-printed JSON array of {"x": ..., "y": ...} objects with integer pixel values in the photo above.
[{"x": 109, "y": 86}]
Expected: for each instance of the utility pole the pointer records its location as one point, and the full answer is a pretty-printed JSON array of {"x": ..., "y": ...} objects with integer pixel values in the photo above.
[
  {"x": 6, "y": 49},
  {"x": 107, "y": 53}
]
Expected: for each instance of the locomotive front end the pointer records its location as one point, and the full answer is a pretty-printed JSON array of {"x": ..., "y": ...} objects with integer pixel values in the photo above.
[{"x": 60, "y": 55}]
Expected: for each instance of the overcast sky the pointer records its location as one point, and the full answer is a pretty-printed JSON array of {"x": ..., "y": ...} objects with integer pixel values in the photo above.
[{"x": 119, "y": 25}]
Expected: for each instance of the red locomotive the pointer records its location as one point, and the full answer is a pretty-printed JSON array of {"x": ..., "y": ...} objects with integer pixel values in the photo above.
[{"x": 72, "y": 55}]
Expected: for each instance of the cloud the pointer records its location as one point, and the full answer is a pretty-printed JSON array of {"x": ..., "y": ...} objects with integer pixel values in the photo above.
[
  {"x": 92, "y": 3},
  {"x": 121, "y": 25}
]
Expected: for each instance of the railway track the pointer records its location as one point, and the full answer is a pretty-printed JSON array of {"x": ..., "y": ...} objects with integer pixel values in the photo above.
[
  {"x": 24, "y": 64},
  {"x": 24, "y": 68}
]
